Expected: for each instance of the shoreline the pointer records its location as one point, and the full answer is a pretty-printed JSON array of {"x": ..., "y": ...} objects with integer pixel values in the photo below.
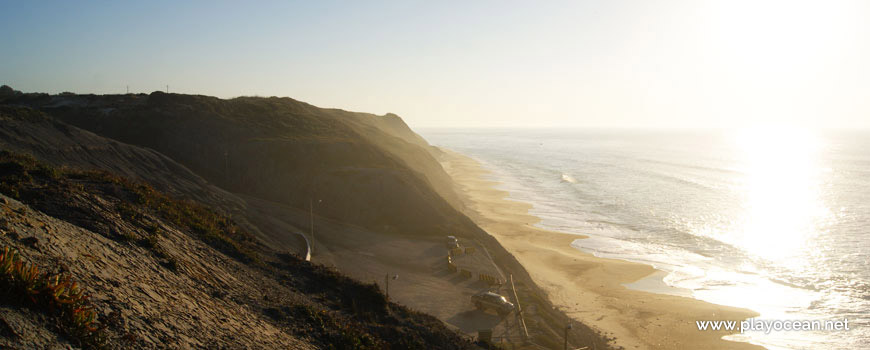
[{"x": 589, "y": 289}]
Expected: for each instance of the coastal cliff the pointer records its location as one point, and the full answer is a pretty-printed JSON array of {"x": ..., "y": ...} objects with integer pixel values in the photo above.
[
  {"x": 281, "y": 150},
  {"x": 91, "y": 168}
]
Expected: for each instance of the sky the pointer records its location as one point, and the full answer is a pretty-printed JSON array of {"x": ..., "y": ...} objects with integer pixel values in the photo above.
[{"x": 596, "y": 64}]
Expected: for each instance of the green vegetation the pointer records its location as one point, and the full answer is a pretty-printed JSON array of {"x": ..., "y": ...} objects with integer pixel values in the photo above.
[
  {"x": 332, "y": 330},
  {"x": 281, "y": 150},
  {"x": 317, "y": 303},
  {"x": 56, "y": 295},
  {"x": 64, "y": 193},
  {"x": 355, "y": 315}
]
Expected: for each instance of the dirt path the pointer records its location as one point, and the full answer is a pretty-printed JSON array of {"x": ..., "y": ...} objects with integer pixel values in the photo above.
[{"x": 424, "y": 282}]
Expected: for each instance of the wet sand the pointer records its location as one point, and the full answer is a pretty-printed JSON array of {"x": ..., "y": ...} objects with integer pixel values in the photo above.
[{"x": 589, "y": 289}]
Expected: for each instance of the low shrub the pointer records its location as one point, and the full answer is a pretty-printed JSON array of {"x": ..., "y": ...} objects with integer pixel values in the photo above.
[
  {"x": 56, "y": 294},
  {"x": 59, "y": 191}
]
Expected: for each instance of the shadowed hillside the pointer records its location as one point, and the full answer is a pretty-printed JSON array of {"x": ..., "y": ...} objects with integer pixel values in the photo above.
[
  {"x": 282, "y": 150},
  {"x": 258, "y": 162},
  {"x": 150, "y": 270},
  {"x": 29, "y": 131}
]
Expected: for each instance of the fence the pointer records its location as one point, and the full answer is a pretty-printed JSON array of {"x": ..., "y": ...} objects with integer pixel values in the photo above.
[
  {"x": 450, "y": 265},
  {"x": 491, "y": 280}
]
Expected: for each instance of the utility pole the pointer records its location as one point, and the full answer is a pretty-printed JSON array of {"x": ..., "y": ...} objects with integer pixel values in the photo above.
[
  {"x": 311, "y": 221},
  {"x": 227, "y": 167},
  {"x": 167, "y": 88},
  {"x": 128, "y": 89}
]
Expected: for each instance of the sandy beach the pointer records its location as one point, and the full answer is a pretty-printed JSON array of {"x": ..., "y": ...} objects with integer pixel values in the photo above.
[{"x": 589, "y": 289}]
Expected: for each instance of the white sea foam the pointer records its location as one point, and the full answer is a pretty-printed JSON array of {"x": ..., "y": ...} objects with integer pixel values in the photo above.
[{"x": 675, "y": 201}]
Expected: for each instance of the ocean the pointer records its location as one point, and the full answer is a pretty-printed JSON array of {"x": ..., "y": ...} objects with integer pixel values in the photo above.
[{"x": 773, "y": 220}]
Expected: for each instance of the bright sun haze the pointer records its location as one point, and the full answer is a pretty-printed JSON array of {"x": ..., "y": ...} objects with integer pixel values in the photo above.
[
  {"x": 599, "y": 174},
  {"x": 641, "y": 64}
]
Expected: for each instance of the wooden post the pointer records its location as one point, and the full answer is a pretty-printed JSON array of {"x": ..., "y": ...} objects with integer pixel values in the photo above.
[
  {"x": 519, "y": 310},
  {"x": 567, "y": 328}
]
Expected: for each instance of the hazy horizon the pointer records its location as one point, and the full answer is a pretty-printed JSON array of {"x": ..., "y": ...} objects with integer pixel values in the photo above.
[{"x": 624, "y": 64}]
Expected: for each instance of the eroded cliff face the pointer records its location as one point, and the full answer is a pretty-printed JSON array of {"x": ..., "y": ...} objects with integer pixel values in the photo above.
[
  {"x": 169, "y": 257},
  {"x": 285, "y": 151},
  {"x": 160, "y": 272},
  {"x": 27, "y": 131},
  {"x": 257, "y": 161}
]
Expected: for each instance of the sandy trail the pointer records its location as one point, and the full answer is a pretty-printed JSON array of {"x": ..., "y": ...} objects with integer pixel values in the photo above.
[{"x": 589, "y": 289}]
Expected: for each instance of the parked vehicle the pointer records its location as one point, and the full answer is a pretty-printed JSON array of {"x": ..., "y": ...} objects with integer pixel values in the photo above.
[
  {"x": 452, "y": 242},
  {"x": 492, "y": 301}
]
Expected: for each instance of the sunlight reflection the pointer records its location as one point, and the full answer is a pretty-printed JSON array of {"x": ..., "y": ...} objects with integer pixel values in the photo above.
[{"x": 781, "y": 191}]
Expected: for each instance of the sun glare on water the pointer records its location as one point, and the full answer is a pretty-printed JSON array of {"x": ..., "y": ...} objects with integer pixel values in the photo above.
[{"x": 780, "y": 189}]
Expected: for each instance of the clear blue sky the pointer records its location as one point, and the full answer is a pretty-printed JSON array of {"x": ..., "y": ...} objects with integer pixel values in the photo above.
[{"x": 466, "y": 63}]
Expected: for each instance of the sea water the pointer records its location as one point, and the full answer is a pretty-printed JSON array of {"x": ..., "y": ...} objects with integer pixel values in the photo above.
[{"x": 773, "y": 220}]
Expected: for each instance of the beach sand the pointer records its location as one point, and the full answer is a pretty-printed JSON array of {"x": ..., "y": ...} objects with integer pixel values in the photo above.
[{"x": 589, "y": 289}]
